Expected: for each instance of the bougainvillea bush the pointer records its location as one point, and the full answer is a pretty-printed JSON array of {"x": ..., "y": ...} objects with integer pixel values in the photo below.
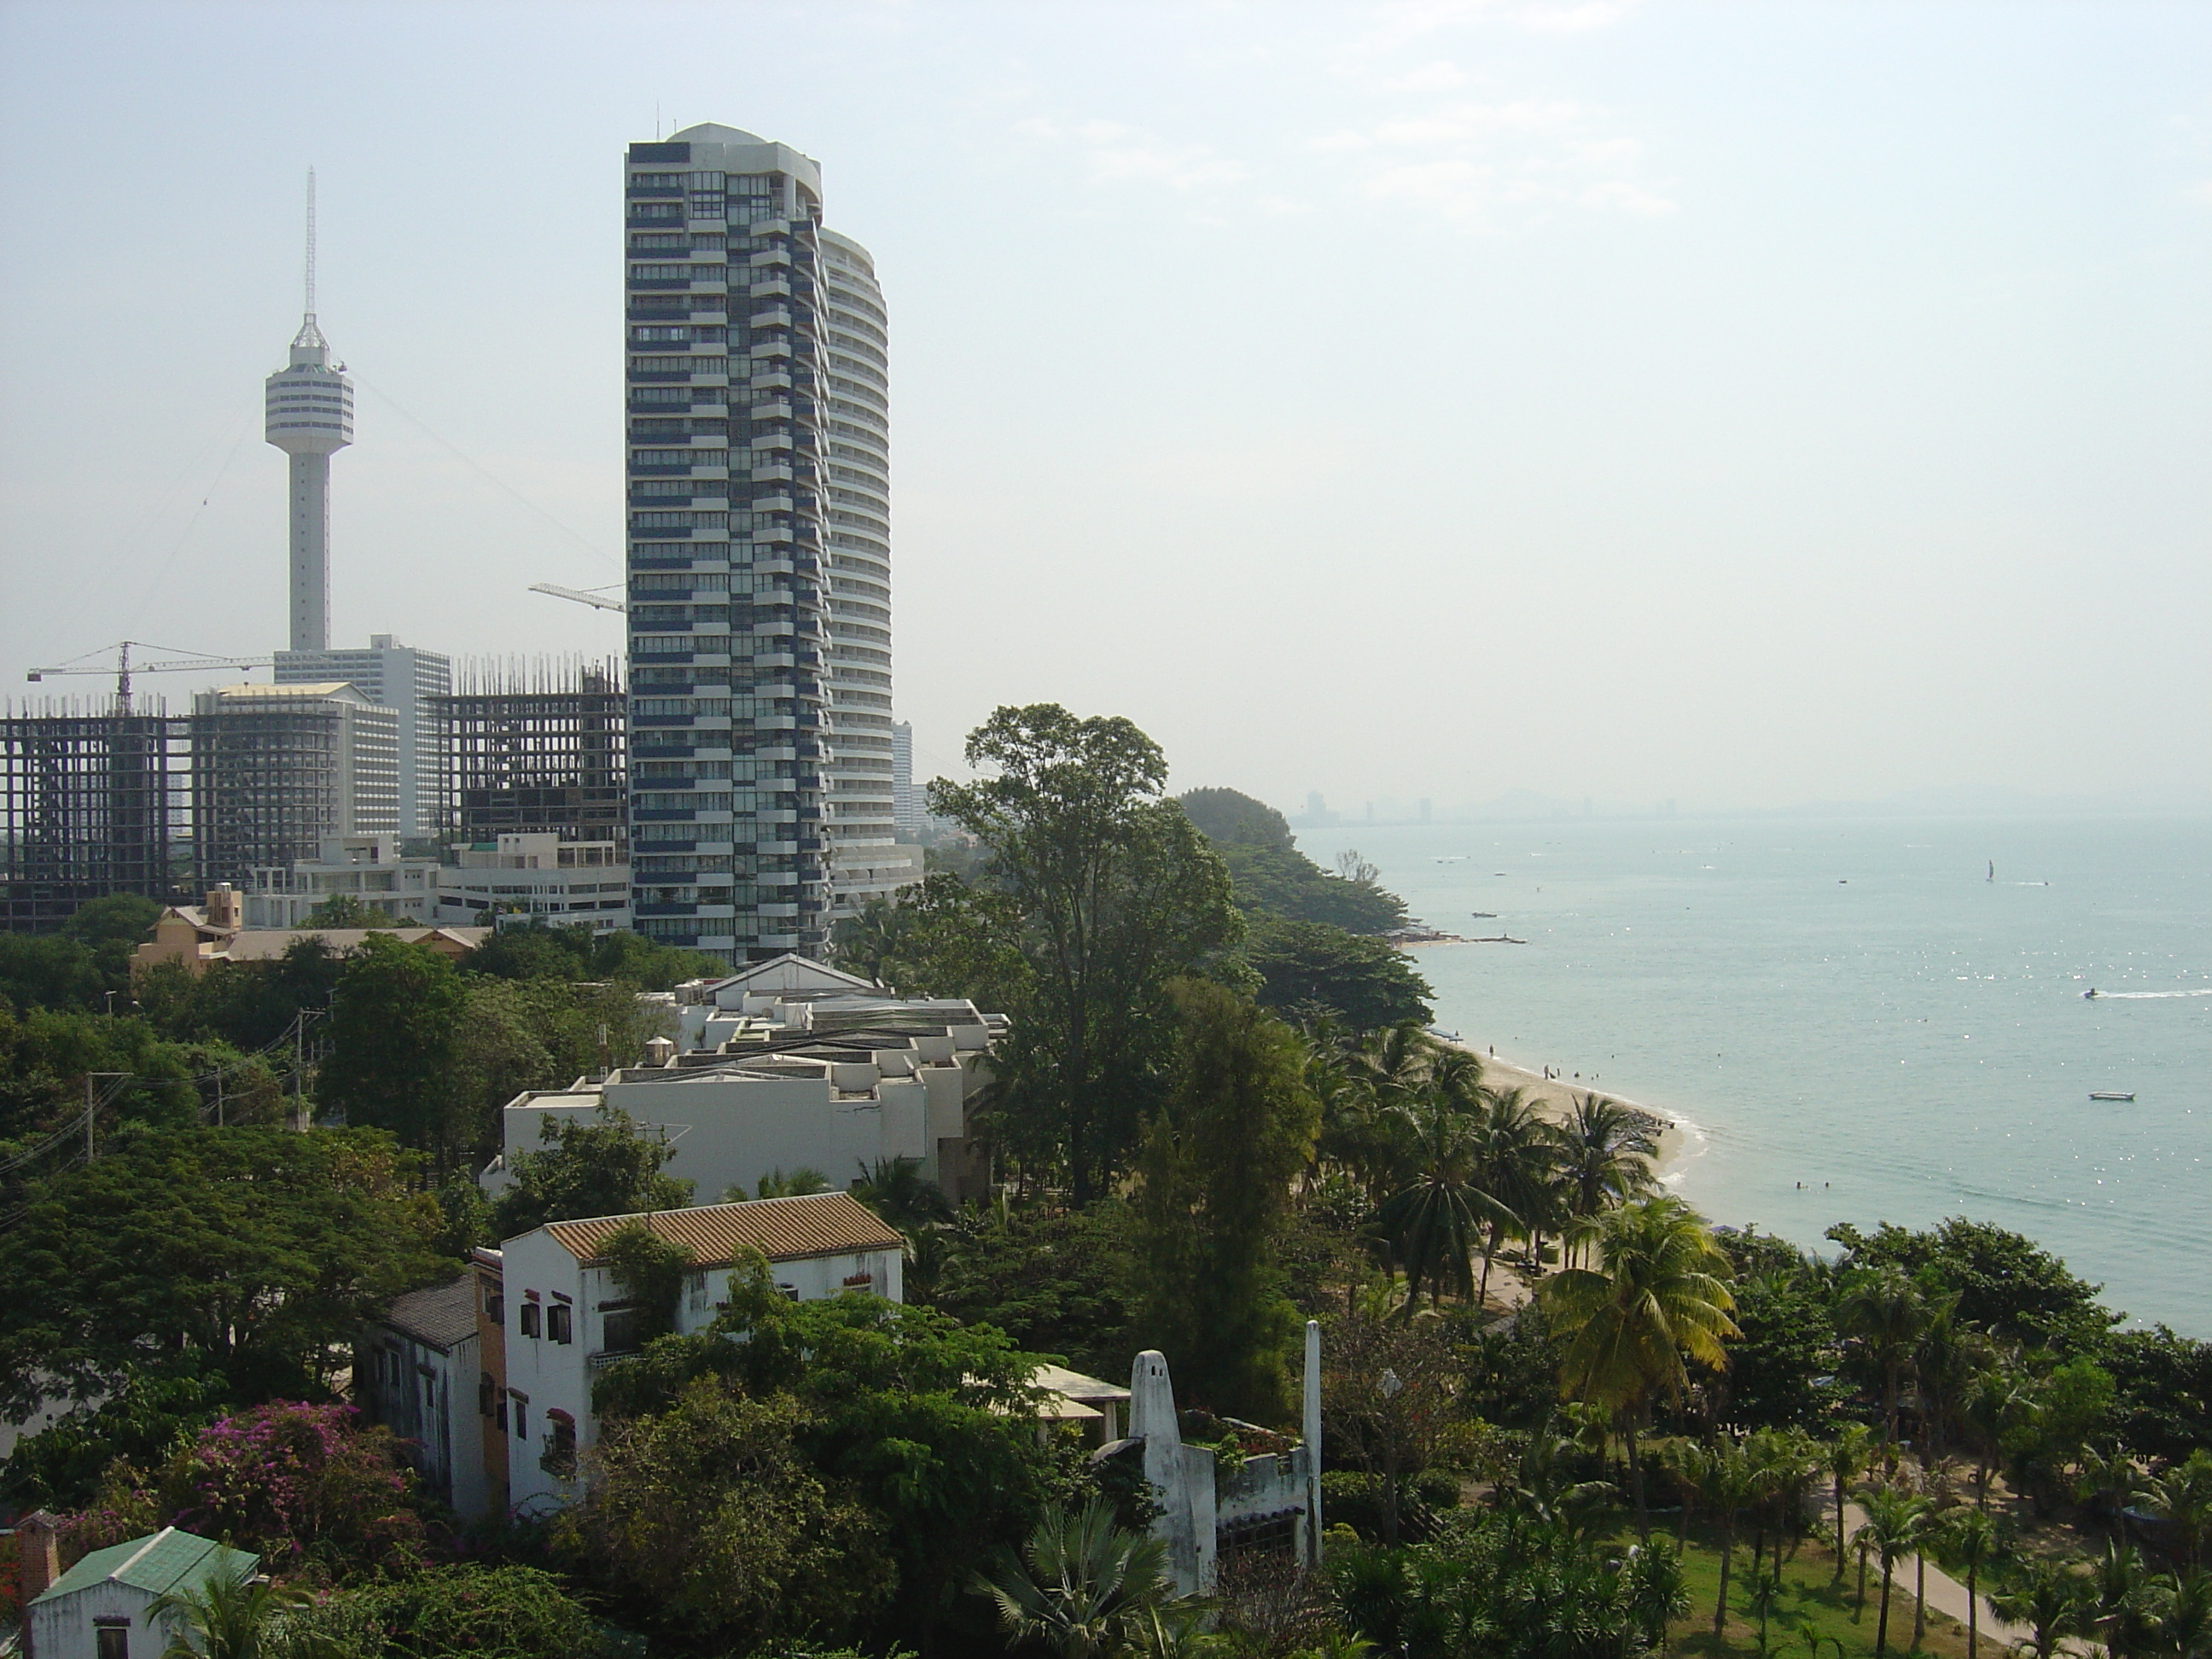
[{"x": 311, "y": 1489}]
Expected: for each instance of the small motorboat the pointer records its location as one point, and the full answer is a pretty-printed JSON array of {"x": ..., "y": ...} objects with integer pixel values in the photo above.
[
  {"x": 1485, "y": 915},
  {"x": 2109, "y": 1094},
  {"x": 2089, "y": 995}
]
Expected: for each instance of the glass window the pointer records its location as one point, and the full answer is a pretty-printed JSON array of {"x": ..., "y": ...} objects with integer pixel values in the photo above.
[
  {"x": 522, "y": 1403},
  {"x": 559, "y": 1324},
  {"x": 113, "y": 1640},
  {"x": 528, "y": 1318}
]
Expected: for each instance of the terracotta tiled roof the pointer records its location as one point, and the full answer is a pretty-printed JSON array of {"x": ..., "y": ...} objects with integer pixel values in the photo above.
[{"x": 781, "y": 1229}]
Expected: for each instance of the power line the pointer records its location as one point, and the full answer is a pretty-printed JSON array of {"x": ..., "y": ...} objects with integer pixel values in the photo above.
[{"x": 593, "y": 548}]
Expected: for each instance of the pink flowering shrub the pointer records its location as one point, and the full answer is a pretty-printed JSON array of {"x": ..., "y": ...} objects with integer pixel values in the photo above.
[{"x": 309, "y": 1488}]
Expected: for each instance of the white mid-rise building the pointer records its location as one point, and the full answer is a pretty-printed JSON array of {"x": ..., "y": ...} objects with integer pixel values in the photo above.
[
  {"x": 278, "y": 770},
  {"x": 366, "y": 868},
  {"x": 414, "y": 686},
  {"x": 536, "y": 876},
  {"x": 790, "y": 1066}
]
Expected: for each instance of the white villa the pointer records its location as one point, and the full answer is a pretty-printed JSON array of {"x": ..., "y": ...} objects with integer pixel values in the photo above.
[
  {"x": 790, "y": 1065},
  {"x": 549, "y": 1316}
]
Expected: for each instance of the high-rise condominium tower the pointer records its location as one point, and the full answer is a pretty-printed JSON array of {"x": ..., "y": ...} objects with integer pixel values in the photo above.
[
  {"x": 729, "y": 533},
  {"x": 310, "y": 418},
  {"x": 867, "y": 859}
]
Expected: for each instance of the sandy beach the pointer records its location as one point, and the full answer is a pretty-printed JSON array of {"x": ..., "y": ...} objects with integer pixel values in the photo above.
[{"x": 1556, "y": 1096}]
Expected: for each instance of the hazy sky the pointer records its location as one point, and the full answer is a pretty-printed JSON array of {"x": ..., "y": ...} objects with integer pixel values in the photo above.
[{"x": 1735, "y": 402}]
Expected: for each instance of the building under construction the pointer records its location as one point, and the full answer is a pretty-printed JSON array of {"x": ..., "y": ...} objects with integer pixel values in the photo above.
[
  {"x": 537, "y": 746},
  {"x": 91, "y": 803}
]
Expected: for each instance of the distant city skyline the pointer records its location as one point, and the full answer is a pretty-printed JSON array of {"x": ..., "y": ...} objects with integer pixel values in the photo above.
[{"x": 1749, "y": 406}]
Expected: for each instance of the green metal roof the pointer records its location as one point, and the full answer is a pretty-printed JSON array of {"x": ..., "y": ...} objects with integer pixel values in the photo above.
[{"x": 167, "y": 1560}]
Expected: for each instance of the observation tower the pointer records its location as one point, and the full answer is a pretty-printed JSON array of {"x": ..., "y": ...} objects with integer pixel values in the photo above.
[{"x": 310, "y": 418}]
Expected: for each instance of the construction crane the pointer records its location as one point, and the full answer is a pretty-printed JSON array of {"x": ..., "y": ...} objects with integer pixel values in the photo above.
[
  {"x": 596, "y": 596},
  {"x": 124, "y": 668}
]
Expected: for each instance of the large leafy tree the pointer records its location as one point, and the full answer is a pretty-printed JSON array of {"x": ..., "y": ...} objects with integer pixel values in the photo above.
[
  {"x": 594, "y": 1166},
  {"x": 254, "y": 1254},
  {"x": 395, "y": 1025},
  {"x": 707, "y": 1519},
  {"x": 1218, "y": 1161},
  {"x": 1116, "y": 894},
  {"x": 1308, "y": 965},
  {"x": 1656, "y": 1300},
  {"x": 926, "y": 1423},
  {"x": 2004, "y": 1283}
]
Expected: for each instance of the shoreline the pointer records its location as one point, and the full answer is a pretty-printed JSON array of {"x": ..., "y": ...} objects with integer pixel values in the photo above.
[{"x": 1555, "y": 1097}]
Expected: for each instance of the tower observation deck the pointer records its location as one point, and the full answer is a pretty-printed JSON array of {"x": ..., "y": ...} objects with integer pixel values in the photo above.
[{"x": 310, "y": 418}]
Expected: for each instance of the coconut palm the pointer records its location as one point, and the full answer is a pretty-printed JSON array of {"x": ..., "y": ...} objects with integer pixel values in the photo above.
[
  {"x": 1439, "y": 1218},
  {"x": 1516, "y": 1153},
  {"x": 230, "y": 1616},
  {"x": 2126, "y": 1598},
  {"x": 2053, "y": 1599},
  {"x": 1847, "y": 1457},
  {"x": 1629, "y": 1326},
  {"x": 2185, "y": 1616},
  {"x": 2182, "y": 1496},
  {"x": 1605, "y": 1154},
  {"x": 1970, "y": 1542},
  {"x": 1896, "y": 1522},
  {"x": 1887, "y": 1315},
  {"x": 1087, "y": 1587}
]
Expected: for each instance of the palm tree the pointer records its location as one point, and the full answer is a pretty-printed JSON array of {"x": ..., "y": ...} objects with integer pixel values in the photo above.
[
  {"x": 2182, "y": 1496},
  {"x": 1657, "y": 1297},
  {"x": 1605, "y": 1154},
  {"x": 1847, "y": 1457},
  {"x": 2185, "y": 1615},
  {"x": 1969, "y": 1542},
  {"x": 2126, "y": 1601},
  {"x": 1896, "y": 1522},
  {"x": 1733, "y": 1478},
  {"x": 231, "y": 1616},
  {"x": 1888, "y": 1315},
  {"x": 896, "y": 1190},
  {"x": 1086, "y": 1588},
  {"x": 1436, "y": 1223},
  {"x": 1514, "y": 1156},
  {"x": 2052, "y": 1599}
]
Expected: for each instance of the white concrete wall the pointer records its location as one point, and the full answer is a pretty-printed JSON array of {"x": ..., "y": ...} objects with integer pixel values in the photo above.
[
  {"x": 63, "y": 1628},
  {"x": 558, "y": 1376}
]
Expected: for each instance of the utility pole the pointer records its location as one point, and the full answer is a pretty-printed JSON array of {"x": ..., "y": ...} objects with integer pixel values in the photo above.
[{"x": 92, "y": 1106}]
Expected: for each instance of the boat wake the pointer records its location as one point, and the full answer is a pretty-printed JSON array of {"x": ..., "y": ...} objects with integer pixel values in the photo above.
[{"x": 2151, "y": 996}]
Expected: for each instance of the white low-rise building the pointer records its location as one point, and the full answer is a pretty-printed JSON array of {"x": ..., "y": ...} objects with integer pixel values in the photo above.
[
  {"x": 549, "y": 1316},
  {"x": 417, "y": 1371},
  {"x": 109, "y": 1604},
  {"x": 535, "y": 876},
  {"x": 791, "y": 1065},
  {"x": 367, "y": 868}
]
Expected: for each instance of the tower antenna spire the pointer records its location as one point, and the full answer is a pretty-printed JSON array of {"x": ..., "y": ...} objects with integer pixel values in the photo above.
[{"x": 311, "y": 245}]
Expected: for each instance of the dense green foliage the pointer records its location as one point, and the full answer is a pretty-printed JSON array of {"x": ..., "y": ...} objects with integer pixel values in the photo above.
[
  {"x": 459, "y": 1610},
  {"x": 1110, "y": 893},
  {"x": 1237, "y": 1127},
  {"x": 1309, "y": 966},
  {"x": 599, "y": 1165},
  {"x": 897, "y": 1431},
  {"x": 77, "y": 965},
  {"x": 248, "y": 1254}
]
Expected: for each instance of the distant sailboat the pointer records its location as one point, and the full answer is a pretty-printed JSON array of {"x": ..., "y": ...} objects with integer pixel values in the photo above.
[{"x": 1993, "y": 870}]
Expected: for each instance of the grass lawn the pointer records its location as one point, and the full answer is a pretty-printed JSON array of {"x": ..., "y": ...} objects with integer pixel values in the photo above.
[{"x": 1808, "y": 1594}]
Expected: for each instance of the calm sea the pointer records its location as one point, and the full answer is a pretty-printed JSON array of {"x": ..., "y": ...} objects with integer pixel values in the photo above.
[{"x": 1856, "y": 1023}]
